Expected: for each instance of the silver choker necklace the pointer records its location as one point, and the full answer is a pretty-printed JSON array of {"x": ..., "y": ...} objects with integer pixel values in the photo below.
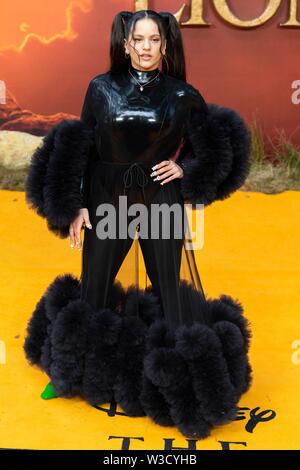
[{"x": 142, "y": 85}]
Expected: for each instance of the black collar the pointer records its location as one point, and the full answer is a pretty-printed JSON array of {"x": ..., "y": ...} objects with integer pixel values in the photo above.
[{"x": 143, "y": 75}]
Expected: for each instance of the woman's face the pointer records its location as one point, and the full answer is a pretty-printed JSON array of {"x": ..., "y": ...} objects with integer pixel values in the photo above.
[{"x": 145, "y": 41}]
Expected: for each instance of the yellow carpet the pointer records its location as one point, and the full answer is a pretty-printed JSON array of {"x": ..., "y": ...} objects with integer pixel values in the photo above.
[{"x": 251, "y": 252}]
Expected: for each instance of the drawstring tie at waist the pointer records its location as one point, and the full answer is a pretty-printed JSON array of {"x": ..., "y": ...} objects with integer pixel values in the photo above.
[
  {"x": 134, "y": 168},
  {"x": 142, "y": 178}
]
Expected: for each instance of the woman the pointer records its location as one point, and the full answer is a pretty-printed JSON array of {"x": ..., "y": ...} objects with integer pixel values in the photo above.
[
  {"x": 136, "y": 130},
  {"x": 161, "y": 350}
]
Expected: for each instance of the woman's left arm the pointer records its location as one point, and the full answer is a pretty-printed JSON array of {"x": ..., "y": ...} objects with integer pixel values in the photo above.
[
  {"x": 216, "y": 155},
  {"x": 174, "y": 167}
]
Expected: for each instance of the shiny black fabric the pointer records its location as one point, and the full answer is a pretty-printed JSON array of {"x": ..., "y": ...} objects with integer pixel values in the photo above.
[{"x": 134, "y": 130}]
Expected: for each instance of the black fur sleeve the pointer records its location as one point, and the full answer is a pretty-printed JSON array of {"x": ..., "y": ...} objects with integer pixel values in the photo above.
[
  {"x": 58, "y": 175},
  {"x": 52, "y": 187},
  {"x": 215, "y": 156}
]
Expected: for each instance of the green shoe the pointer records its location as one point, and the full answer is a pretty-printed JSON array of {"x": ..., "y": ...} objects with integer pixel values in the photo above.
[{"x": 49, "y": 392}]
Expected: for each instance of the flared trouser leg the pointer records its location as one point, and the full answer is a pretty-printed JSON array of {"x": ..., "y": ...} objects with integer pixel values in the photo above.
[{"x": 162, "y": 250}]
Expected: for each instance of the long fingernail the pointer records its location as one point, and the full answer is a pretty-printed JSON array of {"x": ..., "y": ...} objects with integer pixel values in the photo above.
[
  {"x": 153, "y": 168},
  {"x": 72, "y": 246},
  {"x": 89, "y": 225}
]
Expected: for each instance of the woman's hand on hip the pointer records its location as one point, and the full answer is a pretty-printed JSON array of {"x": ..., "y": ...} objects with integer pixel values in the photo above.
[
  {"x": 77, "y": 225},
  {"x": 166, "y": 171}
]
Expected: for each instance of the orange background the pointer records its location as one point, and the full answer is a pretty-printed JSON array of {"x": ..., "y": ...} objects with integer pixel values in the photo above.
[
  {"x": 48, "y": 53},
  {"x": 50, "y": 50},
  {"x": 256, "y": 263}
]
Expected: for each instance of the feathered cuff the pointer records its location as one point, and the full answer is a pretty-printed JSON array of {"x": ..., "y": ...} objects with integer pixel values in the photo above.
[
  {"x": 215, "y": 156},
  {"x": 54, "y": 183}
]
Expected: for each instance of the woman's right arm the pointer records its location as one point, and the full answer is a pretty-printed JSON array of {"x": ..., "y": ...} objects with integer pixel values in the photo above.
[{"x": 88, "y": 117}]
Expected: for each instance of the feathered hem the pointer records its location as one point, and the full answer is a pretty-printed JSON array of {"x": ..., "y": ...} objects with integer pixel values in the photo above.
[{"x": 191, "y": 378}]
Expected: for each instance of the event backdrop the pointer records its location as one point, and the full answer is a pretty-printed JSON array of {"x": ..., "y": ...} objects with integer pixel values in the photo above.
[{"x": 239, "y": 54}]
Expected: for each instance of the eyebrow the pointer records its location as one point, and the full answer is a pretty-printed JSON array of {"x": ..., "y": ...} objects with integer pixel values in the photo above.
[{"x": 156, "y": 34}]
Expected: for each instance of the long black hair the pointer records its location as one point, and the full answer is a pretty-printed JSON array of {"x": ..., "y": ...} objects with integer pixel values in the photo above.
[{"x": 173, "y": 62}]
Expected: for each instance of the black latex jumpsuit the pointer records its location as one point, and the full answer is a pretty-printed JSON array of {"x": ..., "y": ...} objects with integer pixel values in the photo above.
[{"x": 134, "y": 130}]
